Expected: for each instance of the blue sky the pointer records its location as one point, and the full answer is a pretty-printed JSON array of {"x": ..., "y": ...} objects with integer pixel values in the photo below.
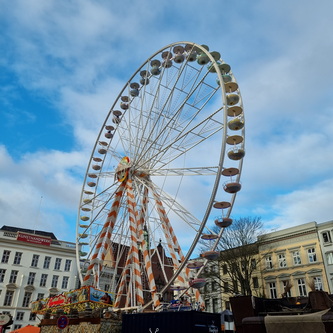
[{"x": 63, "y": 63}]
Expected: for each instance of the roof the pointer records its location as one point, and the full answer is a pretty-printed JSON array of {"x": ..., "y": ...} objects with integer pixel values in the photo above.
[{"x": 29, "y": 231}]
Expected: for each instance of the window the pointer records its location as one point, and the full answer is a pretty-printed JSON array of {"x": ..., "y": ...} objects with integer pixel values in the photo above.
[
  {"x": 253, "y": 264},
  {"x": 226, "y": 287},
  {"x": 215, "y": 286},
  {"x": 297, "y": 258},
  {"x": 68, "y": 265},
  {"x": 255, "y": 282},
  {"x": 318, "y": 283},
  {"x": 54, "y": 281},
  {"x": 64, "y": 284},
  {"x": 282, "y": 260},
  {"x": 227, "y": 305},
  {"x": 13, "y": 276},
  {"x": 17, "y": 258},
  {"x": 329, "y": 257},
  {"x": 19, "y": 315},
  {"x": 47, "y": 262},
  {"x": 272, "y": 290},
  {"x": 32, "y": 316},
  {"x": 234, "y": 266},
  {"x": 207, "y": 288},
  {"x": 8, "y": 298},
  {"x": 312, "y": 255},
  {"x": 326, "y": 237},
  {"x": 26, "y": 299},
  {"x": 34, "y": 261},
  {"x": 57, "y": 263},
  {"x": 17, "y": 326},
  {"x": 2, "y": 274},
  {"x": 5, "y": 257},
  {"x": 43, "y": 279},
  {"x": 301, "y": 287},
  {"x": 225, "y": 269},
  {"x": 107, "y": 287},
  {"x": 269, "y": 263},
  {"x": 286, "y": 288},
  {"x": 40, "y": 296},
  {"x": 235, "y": 286},
  {"x": 207, "y": 304},
  {"x": 31, "y": 278},
  {"x": 215, "y": 304}
]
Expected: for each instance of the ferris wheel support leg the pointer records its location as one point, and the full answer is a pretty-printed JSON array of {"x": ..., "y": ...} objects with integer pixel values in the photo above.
[
  {"x": 170, "y": 236},
  {"x": 146, "y": 257},
  {"x": 134, "y": 241},
  {"x": 104, "y": 238}
]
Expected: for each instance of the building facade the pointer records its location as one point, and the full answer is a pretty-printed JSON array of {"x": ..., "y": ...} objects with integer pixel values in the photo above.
[
  {"x": 293, "y": 263},
  {"x": 211, "y": 292},
  {"x": 33, "y": 265}
]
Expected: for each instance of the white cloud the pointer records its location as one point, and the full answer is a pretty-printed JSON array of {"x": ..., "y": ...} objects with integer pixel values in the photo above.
[
  {"x": 313, "y": 203},
  {"x": 51, "y": 176}
]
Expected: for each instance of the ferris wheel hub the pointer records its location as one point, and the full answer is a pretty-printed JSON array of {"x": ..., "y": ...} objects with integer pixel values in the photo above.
[{"x": 122, "y": 169}]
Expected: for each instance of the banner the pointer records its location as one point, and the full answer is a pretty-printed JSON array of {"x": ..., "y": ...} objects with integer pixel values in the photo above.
[{"x": 35, "y": 239}]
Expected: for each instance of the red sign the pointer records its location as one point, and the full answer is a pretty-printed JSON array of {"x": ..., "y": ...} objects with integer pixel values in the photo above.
[
  {"x": 57, "y": 300},
  {"x": 35, "y": 239}
]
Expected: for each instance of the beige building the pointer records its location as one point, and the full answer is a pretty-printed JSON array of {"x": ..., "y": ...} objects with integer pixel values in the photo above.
[{"x": 293, "y": 260}]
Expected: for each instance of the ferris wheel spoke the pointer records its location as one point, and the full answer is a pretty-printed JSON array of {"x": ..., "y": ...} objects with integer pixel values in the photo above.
[
  {"x": 164, "y": 106},
  {"x": 204, "y": 131},
  {"x": 147, "y": 102},
  {"x": 174, "y": 126},
  {"x": 185, "y": 142},
  {"x": 166, "y": 124},
  {"x": 99, "y": 201},
  {"x": 176, "y": 208},
  {"x": 194, "y": 171}
]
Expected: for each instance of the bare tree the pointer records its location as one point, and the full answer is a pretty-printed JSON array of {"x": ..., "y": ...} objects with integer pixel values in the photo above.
[{"x": 239, "y": 257}]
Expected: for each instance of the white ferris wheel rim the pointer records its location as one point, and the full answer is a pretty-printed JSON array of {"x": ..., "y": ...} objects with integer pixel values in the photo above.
[{"x": 143, "y": 138}]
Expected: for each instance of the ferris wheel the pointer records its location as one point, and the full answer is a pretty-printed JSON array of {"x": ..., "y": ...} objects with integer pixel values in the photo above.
[{"x": 153, "y": 185}]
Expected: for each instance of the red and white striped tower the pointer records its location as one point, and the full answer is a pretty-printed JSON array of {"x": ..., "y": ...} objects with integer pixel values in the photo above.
[
  {"x": 104, "y": 240},
  {"x": 133, "y": 258},
  {"x": 169, "y": 237},
  {"x": 145, "y": 250}
]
